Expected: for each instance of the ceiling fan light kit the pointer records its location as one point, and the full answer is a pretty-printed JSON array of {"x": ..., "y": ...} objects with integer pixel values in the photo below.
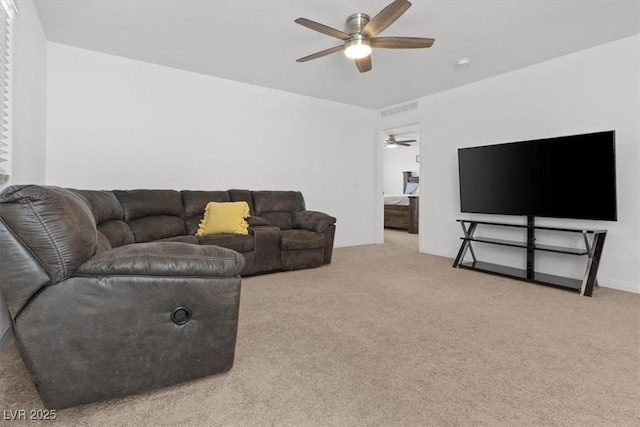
[
  {"x": 357, "y": 48},
  {"x": 361, "y": 33}
]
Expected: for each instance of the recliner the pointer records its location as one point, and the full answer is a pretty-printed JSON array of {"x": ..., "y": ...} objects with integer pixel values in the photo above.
[{"x": 92, "y": 321}]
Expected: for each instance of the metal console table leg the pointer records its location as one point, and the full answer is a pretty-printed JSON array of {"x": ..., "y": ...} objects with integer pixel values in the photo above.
[
  {"x": 594, "y": 250},
  {"x": 466, "y": 243}
]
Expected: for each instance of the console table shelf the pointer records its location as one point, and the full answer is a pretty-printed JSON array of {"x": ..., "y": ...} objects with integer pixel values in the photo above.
[
  {"x": 520, "y": 273},
  {"x": 593, "y": 244},
  {"x": 537, "y": 247}
]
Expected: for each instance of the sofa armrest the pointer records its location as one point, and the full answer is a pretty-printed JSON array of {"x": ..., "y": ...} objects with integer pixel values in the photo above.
[
  {"x": 256, "y": 221},
  {"x": 312, "y": 220},
  {"x": 164, "y": 259}
]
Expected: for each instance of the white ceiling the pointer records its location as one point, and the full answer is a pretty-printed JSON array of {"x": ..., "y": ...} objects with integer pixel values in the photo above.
[{"x": 257, "y": 42}]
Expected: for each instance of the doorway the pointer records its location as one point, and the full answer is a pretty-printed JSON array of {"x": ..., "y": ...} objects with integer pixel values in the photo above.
[{"x": 400, "y": 184}]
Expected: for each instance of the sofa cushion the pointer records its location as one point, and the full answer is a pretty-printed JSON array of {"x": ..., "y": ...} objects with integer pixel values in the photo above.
[
  {"x": 300, "y": 239},
  {"x": 277, "y": 201},
  {"x": 157, "y": 227},
  {"x": 117, "y": 232},
  {"x": 225, "y": 217},
  {"x": 238, "y": 242},
  {"x": 181, "y": 239},
  {"x": 243, "y": 196},
  {"x": 144, "y": 203},
  {"x": 164, "y": 259},
  {"x": 109, "y": 216},
  {"x": 278, "y": 207},
  {"x": 104, "y": 205},
  {"x": 194, "y": 204},
  {"x": 152, "y": 214},
  {"x": 103, "y": 243},
  {"x": 196, "y": 201},
  {"x": 282, "y": 220}
]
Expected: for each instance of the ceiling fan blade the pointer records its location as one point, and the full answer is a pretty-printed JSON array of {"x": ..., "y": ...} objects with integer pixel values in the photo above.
[
  {"x": 321, "y": 53},
  {"x": 403, "y": 143},
  {"x": 321, "y": 28},
  {"x": 364, "y": 64},
  {"x": 385, "y": 17},
  {"x": 401, "y": 42}
]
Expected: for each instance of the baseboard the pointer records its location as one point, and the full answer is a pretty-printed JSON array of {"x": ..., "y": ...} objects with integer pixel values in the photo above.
[
  {"x": 619, "y": 285},
  {"x": 439, "y": 252},
  {"x": 353, "y": 243},
  {"x": 605, "y": 282}
]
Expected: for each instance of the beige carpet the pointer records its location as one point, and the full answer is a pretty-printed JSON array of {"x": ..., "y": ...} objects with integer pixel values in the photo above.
[{"x": 386, "y": 336}]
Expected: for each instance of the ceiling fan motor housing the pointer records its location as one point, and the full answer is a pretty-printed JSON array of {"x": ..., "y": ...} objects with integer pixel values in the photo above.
[
  {"x": 356, "y": 22},
  {"x": 358, "y": 46}
]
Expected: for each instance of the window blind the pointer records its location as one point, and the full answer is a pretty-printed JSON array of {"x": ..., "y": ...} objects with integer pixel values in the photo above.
[{"x": 6, "y": 18}]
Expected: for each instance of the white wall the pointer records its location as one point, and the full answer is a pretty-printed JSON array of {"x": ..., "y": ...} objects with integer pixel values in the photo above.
[
  {"x": 592, "y": 90},
  {"x": 119, "y": 123},
  {"x": 160, "y": 125},
  {"x": 29, "y": 96}
]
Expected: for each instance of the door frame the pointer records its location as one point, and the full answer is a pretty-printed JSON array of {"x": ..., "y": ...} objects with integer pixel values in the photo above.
[{"x": 409, "y": 126}]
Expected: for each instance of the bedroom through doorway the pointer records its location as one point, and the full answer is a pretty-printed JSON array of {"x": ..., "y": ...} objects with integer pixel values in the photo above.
[{"x": 401, "y": 184}]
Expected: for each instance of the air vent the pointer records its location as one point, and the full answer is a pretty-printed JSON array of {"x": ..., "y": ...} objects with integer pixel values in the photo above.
[{"x": 399, "y": 109}]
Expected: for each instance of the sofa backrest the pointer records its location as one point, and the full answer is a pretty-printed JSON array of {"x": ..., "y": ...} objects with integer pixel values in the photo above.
[
  {"x": 195, "y": 203},
  {"x": 46, "y": 233},
  {"x": 152, "y": 214},
  {"x": 109, "y": 216},
  {"x": 243, "y": 196},
  {"x": 278, "y": 207}
]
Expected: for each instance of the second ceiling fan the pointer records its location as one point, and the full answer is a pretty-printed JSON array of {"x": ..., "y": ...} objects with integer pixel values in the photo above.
[
  {"x": 392, "y": 142},
  {"x": 361, "y": 34}
]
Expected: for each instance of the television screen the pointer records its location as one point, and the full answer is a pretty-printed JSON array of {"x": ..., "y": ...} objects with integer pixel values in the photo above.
[{"x": 565, "y": 177}]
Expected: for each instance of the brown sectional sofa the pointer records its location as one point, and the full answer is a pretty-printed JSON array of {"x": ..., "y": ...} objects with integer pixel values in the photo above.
[
  {"x": 283, "y": 235},
  {"x": 109, "y": 293}
]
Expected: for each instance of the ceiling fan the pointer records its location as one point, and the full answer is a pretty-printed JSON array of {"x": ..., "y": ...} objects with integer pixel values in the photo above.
[
  {"x": 361, "y": 34},
  {"x": 392, "y": 142}
]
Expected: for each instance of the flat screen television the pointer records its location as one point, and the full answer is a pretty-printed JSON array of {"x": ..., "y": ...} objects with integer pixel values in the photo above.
[{"x": 565, "y": 177}]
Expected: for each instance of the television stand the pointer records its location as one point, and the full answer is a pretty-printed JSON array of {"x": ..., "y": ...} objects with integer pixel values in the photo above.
[{"x": 593, "y": 244}]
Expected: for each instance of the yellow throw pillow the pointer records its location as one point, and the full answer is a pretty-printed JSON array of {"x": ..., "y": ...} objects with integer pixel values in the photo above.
[{"x": 224, "y": 217}]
